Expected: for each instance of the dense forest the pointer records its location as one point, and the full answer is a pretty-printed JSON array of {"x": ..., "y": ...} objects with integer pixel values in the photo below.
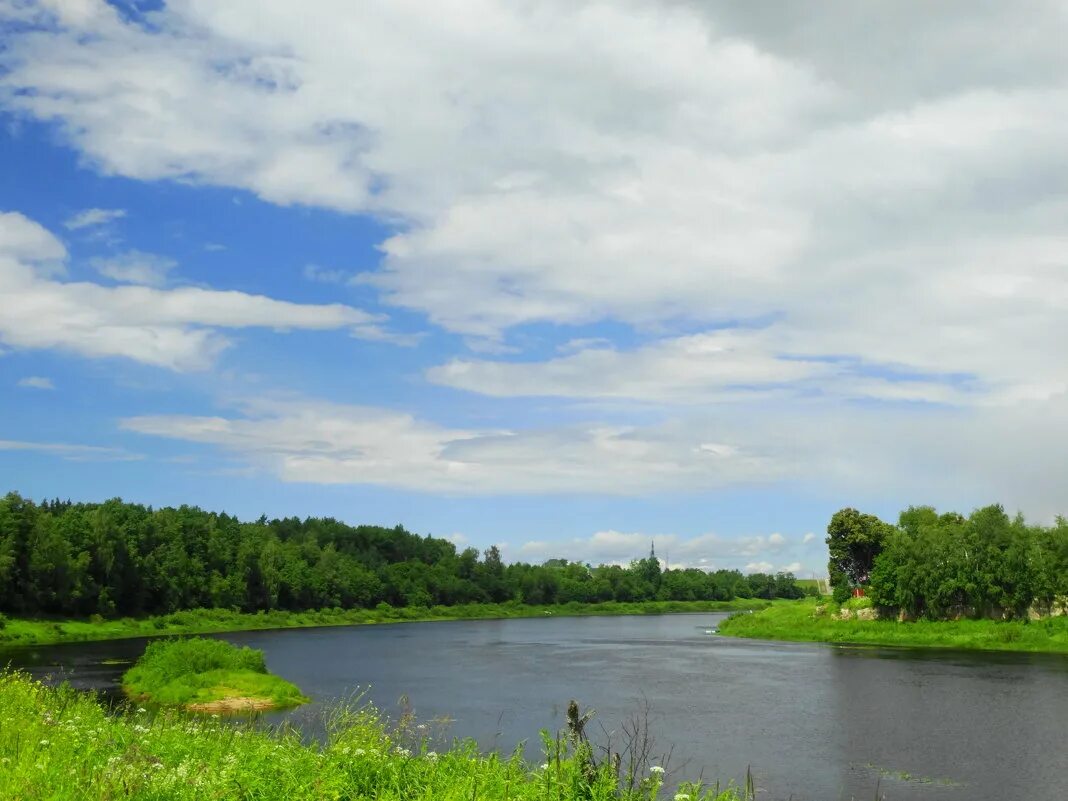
[
  {"x": 948, "y": 565},
  {"x": 117, "y": 558}
]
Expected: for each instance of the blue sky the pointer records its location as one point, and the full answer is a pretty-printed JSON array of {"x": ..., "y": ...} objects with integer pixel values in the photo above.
[{"x": 564, "y": 279}]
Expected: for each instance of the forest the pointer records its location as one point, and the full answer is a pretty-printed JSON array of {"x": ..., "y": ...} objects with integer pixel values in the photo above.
[
  {"x": 124, "y": 559},
  {"x": 948, "y": 565}
]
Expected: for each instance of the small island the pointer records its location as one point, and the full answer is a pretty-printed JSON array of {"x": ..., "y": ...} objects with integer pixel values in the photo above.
[{"x": 204, "y": 675}]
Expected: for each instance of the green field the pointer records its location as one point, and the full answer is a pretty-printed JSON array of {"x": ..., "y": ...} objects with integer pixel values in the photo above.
[
  {"x": 59, "y": 744},
  {"x": 812, "y": 621},
  {"x": 21, "y": 631}
]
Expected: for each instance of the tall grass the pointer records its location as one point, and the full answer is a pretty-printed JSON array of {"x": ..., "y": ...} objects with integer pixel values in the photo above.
[
  {"x": 16, "y": 631},
  {"x": 199, "y": 671},
  {"x": 58, "y": 744},
  {"x": 812, "y": 621}
]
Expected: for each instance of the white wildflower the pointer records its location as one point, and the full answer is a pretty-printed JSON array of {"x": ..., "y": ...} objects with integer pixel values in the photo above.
[
  {"x": 544, "y": 765},
  {"x": 44, "y": 742},
  {"x": 141, "y": 710},
  {"x": 656, "y": 769},
  {"x": 432, "y": 755},
  {"x": 682, "y": 797},
  {"x": 404, "y": 752}
]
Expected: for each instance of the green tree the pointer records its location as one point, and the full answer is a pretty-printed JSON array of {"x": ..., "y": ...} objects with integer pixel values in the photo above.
[{"x": 854, "y": 540}]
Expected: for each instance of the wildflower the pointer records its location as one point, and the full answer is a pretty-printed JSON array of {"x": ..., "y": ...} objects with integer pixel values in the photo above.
[
  {"x": 141, "y": 710},
  {"x": 359, "y": 752},
  {"x": 432, "y": 755},
  {"x": 682, "y": 797},
  {"x": 44, "y": 742},
  {"x": 544, "y": 765},
  {"x": 404, "y": 752},
  {"x": 656, "y": 769}
]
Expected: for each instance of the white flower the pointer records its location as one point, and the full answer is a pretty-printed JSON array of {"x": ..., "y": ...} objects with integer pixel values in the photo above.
[
  {"x": 141, "y": 710},
  {"x": 43, "y": 742},
  {"x": 404, "y": 752},
  {"x": 682, "y": 797},
  {"x": 432, "y": 755},
  {"x": 544, "y": 765},
  {"x": 656, "y": 769}
]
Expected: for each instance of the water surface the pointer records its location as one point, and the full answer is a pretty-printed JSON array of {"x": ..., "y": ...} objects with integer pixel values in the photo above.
[{"x": 813, "y": 721}]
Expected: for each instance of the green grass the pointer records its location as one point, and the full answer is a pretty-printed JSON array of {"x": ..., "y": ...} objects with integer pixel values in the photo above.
[
  {"x": 192, "y": 672},
  {"x": 57, "y": 744},
  {"x": 812, "y": 621},
  {"x": 23, "y": 631}
]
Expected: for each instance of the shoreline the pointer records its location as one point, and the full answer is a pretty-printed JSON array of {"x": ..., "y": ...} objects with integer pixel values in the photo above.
[
  {"x": 18, "y": 632},
  {"x": 802, "y": 623}
]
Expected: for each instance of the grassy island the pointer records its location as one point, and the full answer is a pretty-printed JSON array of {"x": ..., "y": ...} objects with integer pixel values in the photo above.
[
  {"x": 57, "y": 743},
  {"x": 824, "y": 621},
  {"x": 207, "y": 676}
]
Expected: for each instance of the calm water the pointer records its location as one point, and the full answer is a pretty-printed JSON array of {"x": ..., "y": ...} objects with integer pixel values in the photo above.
[{"x": 813, "y": 721}]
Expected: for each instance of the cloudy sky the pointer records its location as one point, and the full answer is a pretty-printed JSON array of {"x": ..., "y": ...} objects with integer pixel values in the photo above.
[{"x": 564, "y": 276}]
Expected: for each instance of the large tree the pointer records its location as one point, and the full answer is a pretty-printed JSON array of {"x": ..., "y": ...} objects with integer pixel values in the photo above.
[{"x": 854, "y": 540}]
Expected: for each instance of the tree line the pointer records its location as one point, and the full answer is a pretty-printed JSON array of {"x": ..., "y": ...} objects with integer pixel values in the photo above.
[
  {"x": 948, "y": 565},
  {"x": 124, "y": 559}
]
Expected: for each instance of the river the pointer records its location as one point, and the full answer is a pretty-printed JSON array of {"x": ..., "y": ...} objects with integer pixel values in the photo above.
[{"x": 812, "y": 721}]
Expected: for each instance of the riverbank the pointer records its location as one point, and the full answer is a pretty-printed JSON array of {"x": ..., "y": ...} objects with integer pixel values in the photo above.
[
  {"x": 812, "y": 621},
  {"x": 202, "y": 675},
  {"x": 22, "y": 631},
  {"x": 58, "y": 743}
]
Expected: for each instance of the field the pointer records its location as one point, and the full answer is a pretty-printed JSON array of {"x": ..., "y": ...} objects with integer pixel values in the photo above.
[
  {"x": 812, "y": 621},
  {"x": 22, "y": 631}
]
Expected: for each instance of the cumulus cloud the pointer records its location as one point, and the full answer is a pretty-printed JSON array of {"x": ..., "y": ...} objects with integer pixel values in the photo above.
[
  {"x": 763, "y": 177},
  {"x": 178, "y": 329},
  {"x": 89, "y": 218},
  {"x": 827, "y": 219},
  {"x": 36, "y": 382}
]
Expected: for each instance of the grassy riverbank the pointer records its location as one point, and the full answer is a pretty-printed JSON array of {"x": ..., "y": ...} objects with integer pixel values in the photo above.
[
  {"x": 60, "y": 744},
  {"x": 21, "y": 631},
  {"x": 207, "y": 676},
  {"x": 812, "y": 621}
]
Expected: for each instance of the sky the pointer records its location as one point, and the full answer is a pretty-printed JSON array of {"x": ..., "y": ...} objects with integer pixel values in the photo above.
[{"x": 566, "y": 277}]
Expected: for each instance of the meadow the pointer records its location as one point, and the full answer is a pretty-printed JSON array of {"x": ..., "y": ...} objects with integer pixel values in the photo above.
[
  {"x": 59, "y": 744},
  {"x": 43, "y": 631},
  {"x": 817, "y": 621}
]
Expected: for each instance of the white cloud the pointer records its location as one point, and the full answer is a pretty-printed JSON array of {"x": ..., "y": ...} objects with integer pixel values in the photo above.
[
  {"x": 573, "y": 162},
  {"x": 324, "y": 275},
  {"x": 896, "y": 229},
  {"x": 74, "y": 453},
  {"x": 308, "y": 441},
  {"x": 135, "y": 267},
  {"x": 688, "y": 369},
  {"x": 36, "y": 382},
  {"x": 809, "y": 537},
  {"x": 705, "y": 551},
  {"x": 177, "y": 329},
  {"x": 89, "y": 218}
]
